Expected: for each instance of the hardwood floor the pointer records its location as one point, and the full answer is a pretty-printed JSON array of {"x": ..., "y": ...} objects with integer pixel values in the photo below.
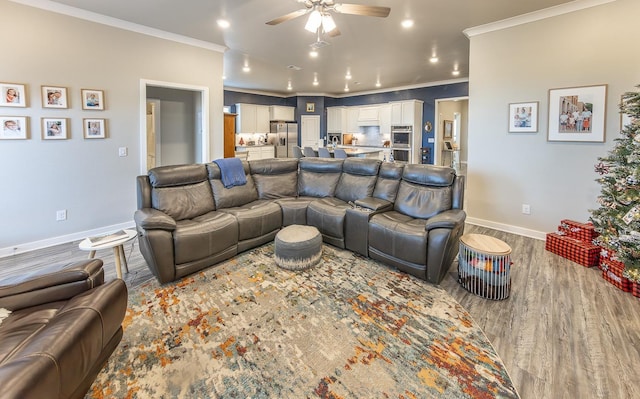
[{"x": 563, "y": 333}]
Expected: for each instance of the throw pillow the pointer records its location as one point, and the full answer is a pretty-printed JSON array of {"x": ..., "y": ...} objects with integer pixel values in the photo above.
[{"x": 4, "y": 313}]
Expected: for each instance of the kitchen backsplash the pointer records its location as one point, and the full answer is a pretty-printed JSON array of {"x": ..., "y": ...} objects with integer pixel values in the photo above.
[
  {"x": 256, "y": 138},
  {"x": 370, "y": 136}
]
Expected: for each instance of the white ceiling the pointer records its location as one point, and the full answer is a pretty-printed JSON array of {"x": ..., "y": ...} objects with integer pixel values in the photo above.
[{"x": 371, "y": 48}]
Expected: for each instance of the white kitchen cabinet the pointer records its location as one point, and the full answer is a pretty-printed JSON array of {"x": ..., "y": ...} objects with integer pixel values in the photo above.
[
  {"x": 396, "y": 113},
  {"x": 258, "y": 152},
  {"x": 282, "y": 113},
  {"x": 352, "y": 119},
  {"x": 252, "y": 118},
  {"x": 369, "y": 116},
  {"x": 385, "y": 120},
  {"x": 336, "y": 120},
  {"x": 403, "y": 113},
  {"x": 267, "y": 152}
]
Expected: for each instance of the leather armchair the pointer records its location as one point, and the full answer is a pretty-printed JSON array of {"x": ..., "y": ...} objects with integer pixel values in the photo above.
[{"x": 64, "y": 325}]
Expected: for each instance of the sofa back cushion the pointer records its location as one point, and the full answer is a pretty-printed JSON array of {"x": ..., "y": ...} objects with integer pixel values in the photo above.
[
  {"x": 275, "y": 178},
  {"x": 388, "y": 181},
  {"x": 181, "y": 191},
  {"x": 425, "y": 191},
  {"x": 358, "y": 178},
  {"x": 318, "y": 177},
  {"x": 234, "y": 196}
]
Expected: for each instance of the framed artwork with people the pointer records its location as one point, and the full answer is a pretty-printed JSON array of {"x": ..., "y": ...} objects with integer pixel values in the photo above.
[
  {"x": 13, "y": 95},
  {"x": 14, "y": 128},
  {"x": 54, "y": 129},
  {"x": 54, "y": 97},
  {"x": 94, "y": 128},
  {"x": 523, "y": 117},
  {"x": 92, "y": 99},
  {"x": 577, "y": 114}
]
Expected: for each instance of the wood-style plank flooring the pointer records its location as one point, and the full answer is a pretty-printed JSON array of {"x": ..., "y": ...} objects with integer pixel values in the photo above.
[{"x": 563, "y": 333}]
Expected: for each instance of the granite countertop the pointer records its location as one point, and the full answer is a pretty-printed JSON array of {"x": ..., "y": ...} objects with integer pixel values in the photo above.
[{"x": 242, "y": 147}]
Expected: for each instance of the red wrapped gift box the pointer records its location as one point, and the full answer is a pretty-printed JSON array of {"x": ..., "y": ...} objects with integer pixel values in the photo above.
[
  {"x": 635, "y": 290},
  {"x": 573, "y": 249},
  {"x": 582, "y": 231},
  {"x": 612, "y": 272}
]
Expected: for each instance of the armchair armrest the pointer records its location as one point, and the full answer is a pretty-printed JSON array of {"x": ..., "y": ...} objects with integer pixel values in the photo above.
[
  {"x": 153, "y": 219},
  {"x": 53, "y": 283},
  {"x": 374, "y": 204},
  {"x": 446, "y": 220}
]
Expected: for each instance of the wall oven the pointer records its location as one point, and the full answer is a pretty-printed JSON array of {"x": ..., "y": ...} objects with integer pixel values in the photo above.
[
  {"x": 401, "y": 136},
  {"x": 401, "y": 155}
]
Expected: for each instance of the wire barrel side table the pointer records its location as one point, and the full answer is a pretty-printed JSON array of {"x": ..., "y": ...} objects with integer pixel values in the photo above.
[{"x": 484, "y": 266}]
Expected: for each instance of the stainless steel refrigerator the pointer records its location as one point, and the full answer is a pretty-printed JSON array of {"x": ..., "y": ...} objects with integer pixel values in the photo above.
[{"x": 286, "y": 138}]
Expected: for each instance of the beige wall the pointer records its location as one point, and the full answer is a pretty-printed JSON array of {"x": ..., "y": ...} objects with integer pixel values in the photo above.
[
  {"x": 519, "y": 64},
  {"x": 85, "y": 177}
]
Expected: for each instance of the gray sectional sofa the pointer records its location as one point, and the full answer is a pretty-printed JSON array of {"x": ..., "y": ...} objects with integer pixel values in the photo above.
[{"x": 407, "y": 216}]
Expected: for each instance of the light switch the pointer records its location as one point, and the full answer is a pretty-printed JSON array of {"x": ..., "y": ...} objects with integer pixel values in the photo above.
[
  {"x": 122, "y": 151},
  {"x": 431, "y": 140}
]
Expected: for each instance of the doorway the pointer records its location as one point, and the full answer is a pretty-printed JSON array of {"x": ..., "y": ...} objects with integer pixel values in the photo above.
[
  {"x": 309, "y": 130},
  {"x": 185, "y": 136},
  {"x": 452, "y": 112}
]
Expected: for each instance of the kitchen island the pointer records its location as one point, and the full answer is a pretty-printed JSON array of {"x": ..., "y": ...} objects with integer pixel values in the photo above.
[{"x": 360, "y": 152}]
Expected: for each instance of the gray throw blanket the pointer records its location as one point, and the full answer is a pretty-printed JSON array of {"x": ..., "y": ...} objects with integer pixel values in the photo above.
[{"x": 231, "y": 171}]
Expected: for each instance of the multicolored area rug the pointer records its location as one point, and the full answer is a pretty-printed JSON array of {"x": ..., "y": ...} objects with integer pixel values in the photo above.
[{"x": 348, "y": 328}]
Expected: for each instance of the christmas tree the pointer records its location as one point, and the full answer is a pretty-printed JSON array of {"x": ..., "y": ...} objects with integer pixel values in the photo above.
[{"x": 618, "y": 217}]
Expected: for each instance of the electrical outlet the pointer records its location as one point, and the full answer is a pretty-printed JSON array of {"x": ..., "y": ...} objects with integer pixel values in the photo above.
[
  {"x": 61, "y": 215},
  {"x": 122, "y": 151},
  {"x": 526, "y": 209}
]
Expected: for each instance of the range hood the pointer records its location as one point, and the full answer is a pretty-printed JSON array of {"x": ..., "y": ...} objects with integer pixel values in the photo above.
[{"x": 369, "y": 116}]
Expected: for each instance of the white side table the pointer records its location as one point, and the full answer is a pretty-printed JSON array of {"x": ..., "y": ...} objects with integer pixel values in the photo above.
[{"x": 118, "y": 249}]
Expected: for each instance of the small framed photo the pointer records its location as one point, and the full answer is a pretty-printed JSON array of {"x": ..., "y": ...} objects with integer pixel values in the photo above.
[
  {"x": 14, "y": 128},
  {"x": 13, "y": 95},
  {"x": 54, "y": 129},
  {"x": 447, "y": 128},
  {"x": 94, "y": 128},
  {"x": 92, "y": 99},
  {"x": 577, "y": 114},
  {"x": 311, "y": 107},
  {"x": 523, "y": 117},
  {"x": 54, "y": 97}
]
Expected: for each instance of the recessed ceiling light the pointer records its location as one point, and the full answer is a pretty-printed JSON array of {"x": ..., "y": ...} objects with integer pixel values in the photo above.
[
  {"x": 289, "y": 87},
  {"x": 224, "y": 77},
  {"x": 347, "y": 76},
  {"x": 223, "y": 23},
  {"x": 346, "y": 87},
  {"x": 455, "y": 72},
  {"x": 407, "y": 23},
  {"x": 378, "y": 84},
  {"x": 433, "y": 59},
  {"x": 246, "y": 68},
  {"x": 313, "y": 53}
]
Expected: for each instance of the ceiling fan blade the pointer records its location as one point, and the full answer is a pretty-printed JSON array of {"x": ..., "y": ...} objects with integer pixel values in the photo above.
[
  {"x": 335, "y": 32},
  {"x": 358, "y": 9},
  {"x": 287, "y": 17}
]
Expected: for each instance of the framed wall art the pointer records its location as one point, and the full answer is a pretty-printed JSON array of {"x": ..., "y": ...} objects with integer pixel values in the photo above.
[
  {"x": 94, "y": 128},
  {"x": 523, "y": 117},
  {"x": 447, "y": 128},
  {"x": 54, "y": 97},
  {"x": 54, "y": 129},
  {"x": 311, "y": 107},
  {"x": 14, "y": 128},
  {"x": 92, "y": 99},
  {"x": 13, "y": 95},
  {"x": 577, "y": 114}
]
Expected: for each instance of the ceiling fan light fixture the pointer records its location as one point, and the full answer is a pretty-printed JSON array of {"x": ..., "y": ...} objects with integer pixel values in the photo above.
[
  {"x": 328, "y": 24},
  {"x": 314, "y": 21}
]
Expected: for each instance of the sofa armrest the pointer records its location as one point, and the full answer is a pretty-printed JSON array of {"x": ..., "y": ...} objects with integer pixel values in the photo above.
[
  {"x": 374, "y": 204},
  {"x": 446, "y": 220},
  {"x": 53, "y": 283},
  {"x": 153, "y": 219}
]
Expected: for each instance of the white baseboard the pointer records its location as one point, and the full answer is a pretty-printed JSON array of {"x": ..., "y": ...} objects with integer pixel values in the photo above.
[
  {"x": 539, "y": 235},
  {"x": 49, "y": 242}
]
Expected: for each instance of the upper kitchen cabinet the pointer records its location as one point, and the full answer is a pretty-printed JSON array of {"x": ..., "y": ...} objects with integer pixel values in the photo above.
[
  {"x": 336, "y": 120},
  {"x": 369, "y": 116},
  {"x": 281, "y": 113},
  {"x": 252, "y": 118},
  {"x": 352, "y": 119},
  {"x": 405, "y": 112}
]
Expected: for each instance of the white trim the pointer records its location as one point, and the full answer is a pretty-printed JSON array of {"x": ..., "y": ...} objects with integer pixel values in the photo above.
[
  {"x": 538, "y": 235},
  {"x": 437, "y": 122},
  {"x": 534, "y": 16},
  {"x": 49, "y": 242},
  {"x": 204, "y": 117},
  {"x": 119, "y": 23},
  {"x": 258, "y": 92}
]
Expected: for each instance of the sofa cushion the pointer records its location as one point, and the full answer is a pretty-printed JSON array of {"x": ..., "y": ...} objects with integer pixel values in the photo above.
[
  {"x": 275, "y": 178},
  {"x": 234, "y": 196},
  {"x": 183, "y": 202},
  {"x": 327, "y": 215},
  {"x": 422, "y": 202},
  {"x": 177, "y": 175},
  {"x": 388, "y": 181},
  {"x": 358, "y": 179},
  {"x": 400, "y": 236},
  {"x": 256, "y": 218},
  {"x": 319, "y": 177},
  {"x": 205, "y": 235}
]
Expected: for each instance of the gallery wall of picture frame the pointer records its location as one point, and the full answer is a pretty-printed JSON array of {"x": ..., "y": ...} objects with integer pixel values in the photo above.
[{"x": 17, "y": 127}]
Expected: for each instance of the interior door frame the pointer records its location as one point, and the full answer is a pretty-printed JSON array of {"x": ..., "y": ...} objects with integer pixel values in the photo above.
[
  {"x": 202, "y": 115},
  {"x": 309, "y": 118},
  {"x": 437, "y": 145}
]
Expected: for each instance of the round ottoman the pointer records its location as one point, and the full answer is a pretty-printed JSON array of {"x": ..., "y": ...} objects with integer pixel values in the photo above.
[{"x": 298, "y": 247}]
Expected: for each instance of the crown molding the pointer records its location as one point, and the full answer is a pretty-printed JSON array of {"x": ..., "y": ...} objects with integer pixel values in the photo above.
[
  {"x": 534, "y": 16},
  {"x": 258, "y": 92},
  {"x": 118, "y": 23}
]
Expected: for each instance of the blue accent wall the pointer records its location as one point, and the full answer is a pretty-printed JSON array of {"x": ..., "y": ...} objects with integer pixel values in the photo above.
[{"x": 426, "y": 94}]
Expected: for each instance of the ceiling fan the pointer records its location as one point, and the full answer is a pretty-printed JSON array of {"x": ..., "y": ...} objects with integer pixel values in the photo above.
[{"x": 320, "y": 14}]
